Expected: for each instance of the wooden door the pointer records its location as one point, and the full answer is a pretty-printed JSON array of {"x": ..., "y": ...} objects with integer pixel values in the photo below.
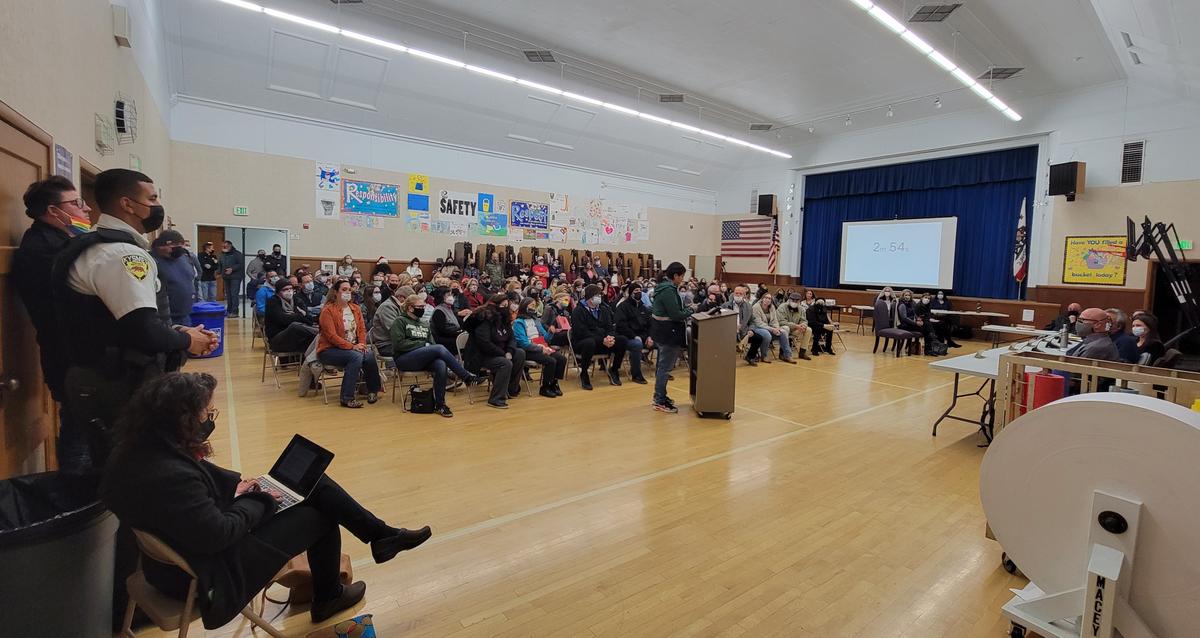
[
  {"x": 27, "y": 414},
  {"x": 215, "y": 234}
]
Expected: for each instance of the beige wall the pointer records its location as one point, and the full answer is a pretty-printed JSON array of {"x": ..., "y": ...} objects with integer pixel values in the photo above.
[
  {"x": 1102, "y": 211},
  {"x": 209, "y": 181},
  {"x": 60, "y": 65}
]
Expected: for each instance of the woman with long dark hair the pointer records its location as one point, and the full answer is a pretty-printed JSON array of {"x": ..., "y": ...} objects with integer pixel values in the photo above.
[
  {"x": 489, "y": 348},
  {"x": 1149, "y": 343},
  {"x": 531, "y": 336},
  {"x": 161, "y": 481}
]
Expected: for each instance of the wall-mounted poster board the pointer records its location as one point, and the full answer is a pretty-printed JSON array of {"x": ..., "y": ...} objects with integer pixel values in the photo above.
[{"x": 1097, "y": 260}]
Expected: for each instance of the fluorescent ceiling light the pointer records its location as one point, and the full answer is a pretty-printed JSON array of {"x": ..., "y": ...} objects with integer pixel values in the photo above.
[
  {"x": 963, "y": 76},
  {"x": 243, "y": 4},
  {"x": 895, "y": 26},
  {"x": 582, "y": 98},
  {"x": 539, "y": 87},
  {"x": 942, "y": 60},
  {"x": 917, "y": 43},
  {"x": 394, "y": 46},
  {"x": 618, "y": 108},
  {"x": 490, "y": 73},
  {"x": 654, "y": 118},
  {"x": 437, "y": 58},
  {"x": 981, "y": 91},
  {"x": 376, "y": 41},
  {"x": 886, "y": 19}
]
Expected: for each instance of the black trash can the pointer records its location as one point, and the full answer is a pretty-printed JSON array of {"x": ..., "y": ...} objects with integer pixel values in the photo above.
[{"x": 56, "y": 557}]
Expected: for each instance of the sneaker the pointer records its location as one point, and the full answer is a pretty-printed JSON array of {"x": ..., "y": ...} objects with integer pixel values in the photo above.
[
  {"x": 499, "y": 405},
  {"x": 666, "y": 407},
  {"x": 669, "y": 401},
  {"x": 475, "y": 379},
  {"x": 372, "y": 397},
  {"x": 614, "y": 378},
  {"x": 640, "y": 380},
  {"x": 444, "y": 411},
  {"x": 353, "y": 403}
]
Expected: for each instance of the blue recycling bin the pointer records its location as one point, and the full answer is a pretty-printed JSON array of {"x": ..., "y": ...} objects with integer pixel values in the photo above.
[{"x": 212, "y": 315}]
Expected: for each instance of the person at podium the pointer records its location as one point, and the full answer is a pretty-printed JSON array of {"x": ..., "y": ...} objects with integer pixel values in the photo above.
[{"x": 667, "y": 329}]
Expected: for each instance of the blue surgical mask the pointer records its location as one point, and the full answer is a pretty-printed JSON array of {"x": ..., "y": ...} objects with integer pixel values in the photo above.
[
  {"x": 1139, "y": 331},
  {"x": 594, "y": 302},
  {"x": 308, "y": 286}
]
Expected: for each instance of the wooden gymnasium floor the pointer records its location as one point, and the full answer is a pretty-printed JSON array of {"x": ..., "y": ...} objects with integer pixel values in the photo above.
[{"x": 823, "y": 509}]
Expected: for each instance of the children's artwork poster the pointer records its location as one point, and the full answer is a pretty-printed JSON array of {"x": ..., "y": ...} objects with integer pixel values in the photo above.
[
  {"x": 1095, "y": 260},
  {"x": 485, "y": 203},
  {"x": 363, "y": 221},
  {"x": 370, "y": 198},
  {"x": 529, "y": 235},
  {"x": 451, "y": 227},
  {"x": 458, "y": 204},
  {"x": 326, "y": 204},
  {"x": 590, "y": 236},
  {"x": 329, "y": 176},
  {"x": 574, "y": 234},
  {"x": 418, "y": 202},
  {"x": 643, "y": 230},
  {"x": 529, "y": 215},
  {"x": 418, "y": 221},
  {"x": 493, "y": 224},
  {"x": 329, "y": 266},
  {"x": 558, "y": 233},
  {"x": 418, "y": 184}
]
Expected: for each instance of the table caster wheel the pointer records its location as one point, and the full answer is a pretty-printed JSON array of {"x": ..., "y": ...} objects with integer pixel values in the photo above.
[
  {"x": 1008, "y": 564},
  {"x": 1016, "y": 631}
]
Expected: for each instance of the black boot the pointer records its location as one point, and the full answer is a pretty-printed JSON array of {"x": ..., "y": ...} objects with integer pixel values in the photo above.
[
  {"x": 614, "y": 377},
  {"x": 547, "y": 390},
  {"x": 585, "y": 380}
]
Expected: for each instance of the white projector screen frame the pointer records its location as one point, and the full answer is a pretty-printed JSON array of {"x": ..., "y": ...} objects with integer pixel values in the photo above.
[{"x": 865, "y": 272}]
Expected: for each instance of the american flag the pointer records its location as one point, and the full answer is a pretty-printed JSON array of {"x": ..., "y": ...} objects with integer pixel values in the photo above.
[
  {"x": 747, "y": 237},
  {"x": 774, "y": 254}
]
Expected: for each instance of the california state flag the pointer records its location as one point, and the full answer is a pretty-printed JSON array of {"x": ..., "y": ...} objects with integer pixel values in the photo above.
[{"x": 1020, "y": 246}]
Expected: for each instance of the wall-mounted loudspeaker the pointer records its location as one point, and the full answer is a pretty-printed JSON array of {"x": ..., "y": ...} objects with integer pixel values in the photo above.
[
  {"x": 766, "y": 205},
  {"x": 1067, "y": 179}
]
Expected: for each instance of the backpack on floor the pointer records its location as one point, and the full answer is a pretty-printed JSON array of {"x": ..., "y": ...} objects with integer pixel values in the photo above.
[
  {"x": 419, "y": 401},
  {"x": 937, "y": 349}
]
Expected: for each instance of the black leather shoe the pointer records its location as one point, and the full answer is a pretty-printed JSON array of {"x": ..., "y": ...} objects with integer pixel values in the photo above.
[
  {"x": 350, "y": 596},
  {"x": 585, "y": 381},
  {"x": 385, "y": 549},
  {"x": 556, "y": 389},
  {"x": 640, "y": 380},
  {"x": 547, "y": 392}
]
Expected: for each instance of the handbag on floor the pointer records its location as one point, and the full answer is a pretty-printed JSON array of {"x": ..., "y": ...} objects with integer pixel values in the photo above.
[
  {"x": 937, "y": 349},
  {"x": 419, "y": 401}
]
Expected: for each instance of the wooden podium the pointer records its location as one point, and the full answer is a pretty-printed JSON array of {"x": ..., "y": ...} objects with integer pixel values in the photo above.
[{"x": 711, "y": 362}]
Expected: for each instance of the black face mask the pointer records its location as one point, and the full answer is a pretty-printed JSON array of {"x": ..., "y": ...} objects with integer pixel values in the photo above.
[
  {"x": 206, "y": 428},
  {"x": 158, "y": 214},
  {"x": 178, "y": 251}
]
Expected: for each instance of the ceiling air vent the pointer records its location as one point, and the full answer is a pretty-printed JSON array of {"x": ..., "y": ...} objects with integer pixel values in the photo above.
[
  {"x": 933, "y": 12},
  {"x": 761, "y": 126},
  {"x": 1001, "y": 72},
  {"x": 671, "y": 97},
  {"x": 1131, "y": 162},
  {"x": 539, "y": 55},
  {"x": 346, "y": 1}
]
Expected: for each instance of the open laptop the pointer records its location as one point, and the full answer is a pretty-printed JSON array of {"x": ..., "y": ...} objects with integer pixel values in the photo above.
[{"x": 297, "y": 471}]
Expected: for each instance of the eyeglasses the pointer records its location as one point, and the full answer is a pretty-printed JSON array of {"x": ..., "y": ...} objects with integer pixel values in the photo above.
[
  {"x": 77, "y": 203},
  {"x": 213, "y": 414}
]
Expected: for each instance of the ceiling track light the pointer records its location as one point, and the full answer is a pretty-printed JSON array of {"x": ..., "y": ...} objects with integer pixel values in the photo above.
[
  {"x": 503, "y": 77},
  {"x": 937, "y": 102},
  {"x": 880, "y": 15},
  {"x": 812, "y": 129},
  {"x": 890, "y": 112},
  {"x": 849, "y": 121}
]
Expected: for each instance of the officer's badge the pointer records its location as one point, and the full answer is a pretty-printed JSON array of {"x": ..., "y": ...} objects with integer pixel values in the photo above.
[{"x": 136, "y": 265}]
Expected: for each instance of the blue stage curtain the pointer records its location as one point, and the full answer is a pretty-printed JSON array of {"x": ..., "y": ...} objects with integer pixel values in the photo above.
[{"x": 984, "y": 191}]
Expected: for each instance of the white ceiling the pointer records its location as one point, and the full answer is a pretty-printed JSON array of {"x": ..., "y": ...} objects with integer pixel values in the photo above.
[{"x": 793, "y": 63}]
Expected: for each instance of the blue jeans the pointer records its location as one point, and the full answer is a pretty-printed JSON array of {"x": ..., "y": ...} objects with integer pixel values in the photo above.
[
  {"x": 352, "y": 362},
  {"x": 434, "y": 359},
  {"x": 635, "y": 357},
  {"x": 785, "y": 348},
  {"x": 208, "y": 290},
  {"x": 667, "y": 355}
]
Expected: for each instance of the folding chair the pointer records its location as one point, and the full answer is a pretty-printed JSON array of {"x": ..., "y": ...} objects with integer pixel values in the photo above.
[
  {"x": 258, "y": 330},
  {"x": 277, "y": 358},
  {"x": 387, "y": 368},
  {"x": 328, "y": 373},
  {"x": 605, "y": 358},
  {"x": 168, "y": 613}
]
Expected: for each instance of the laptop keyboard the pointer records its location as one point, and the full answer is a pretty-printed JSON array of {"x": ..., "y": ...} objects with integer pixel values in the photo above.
[{"x": 287, "y": 500}]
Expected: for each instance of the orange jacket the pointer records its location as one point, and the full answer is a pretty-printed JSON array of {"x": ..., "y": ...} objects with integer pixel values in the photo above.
[{"x": 333, "y": 329}]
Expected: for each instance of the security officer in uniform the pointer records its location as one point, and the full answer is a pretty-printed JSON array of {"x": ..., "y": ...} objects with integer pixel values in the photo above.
[{"x": 108, "y": 300}]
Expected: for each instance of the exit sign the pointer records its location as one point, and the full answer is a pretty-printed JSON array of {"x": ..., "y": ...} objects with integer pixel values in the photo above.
[
  {"x": 241, "y": 211},
  {"x": 1183, "y": 244}
]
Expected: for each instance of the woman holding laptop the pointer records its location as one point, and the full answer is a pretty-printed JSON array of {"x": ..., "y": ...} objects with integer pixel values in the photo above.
[{"x": 160, "y": 481}]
